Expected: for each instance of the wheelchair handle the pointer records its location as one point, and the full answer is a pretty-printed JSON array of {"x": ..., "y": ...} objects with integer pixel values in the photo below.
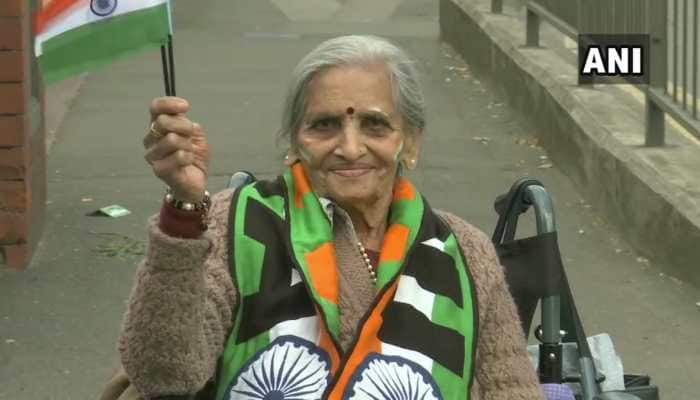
[
  {"x": 544, "y": 209},
  {"x": 240, "y": 179},
  {"x": 523, "y": 194}
]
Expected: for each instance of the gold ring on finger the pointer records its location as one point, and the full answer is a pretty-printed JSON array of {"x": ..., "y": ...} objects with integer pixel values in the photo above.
[{"x": 155, "y": 132}]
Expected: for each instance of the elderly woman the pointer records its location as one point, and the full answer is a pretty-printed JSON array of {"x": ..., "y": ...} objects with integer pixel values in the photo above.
[{"x": 337, "y": 279}]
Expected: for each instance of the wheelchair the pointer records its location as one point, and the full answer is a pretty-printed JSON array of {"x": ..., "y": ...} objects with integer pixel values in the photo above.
[{"x": 535, "y": 275}]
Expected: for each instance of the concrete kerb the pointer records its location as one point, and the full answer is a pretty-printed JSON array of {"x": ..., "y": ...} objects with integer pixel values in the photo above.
[
  {"x": 58, "y": 100},
  {"x": 598, "y": 149}
]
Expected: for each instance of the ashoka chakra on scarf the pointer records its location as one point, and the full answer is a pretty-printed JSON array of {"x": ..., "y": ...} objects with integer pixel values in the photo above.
[
  {"x": 103, "y": 8},
  {"x": 288, "y": 368},
  {"x": 391, "y": 378}
]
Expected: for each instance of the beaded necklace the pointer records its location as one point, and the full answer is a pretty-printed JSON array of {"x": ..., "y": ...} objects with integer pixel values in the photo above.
[{"x": 368, "y": 263}]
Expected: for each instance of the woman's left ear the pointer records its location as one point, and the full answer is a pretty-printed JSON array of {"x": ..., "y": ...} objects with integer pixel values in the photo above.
[{"x": 411, "y": 149}]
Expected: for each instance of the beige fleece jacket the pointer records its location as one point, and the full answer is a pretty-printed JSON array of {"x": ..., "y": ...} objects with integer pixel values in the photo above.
[{"x": 180, "y": 310}]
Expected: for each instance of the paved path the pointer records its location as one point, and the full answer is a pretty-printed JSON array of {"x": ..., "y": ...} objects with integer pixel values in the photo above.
[{"x": 59, "y": 320}]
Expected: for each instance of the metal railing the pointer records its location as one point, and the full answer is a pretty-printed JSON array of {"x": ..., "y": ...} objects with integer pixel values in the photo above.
[
  {"x": 674, "y": 39},
  {"x": 564, "y": 15}
]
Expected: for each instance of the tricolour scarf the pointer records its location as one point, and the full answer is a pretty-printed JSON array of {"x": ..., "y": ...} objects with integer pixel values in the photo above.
[{"x": 418, "y": 339}]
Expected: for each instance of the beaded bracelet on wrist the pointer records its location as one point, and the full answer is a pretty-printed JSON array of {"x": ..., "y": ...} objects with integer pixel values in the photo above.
[{"x": 201, "y": 206}]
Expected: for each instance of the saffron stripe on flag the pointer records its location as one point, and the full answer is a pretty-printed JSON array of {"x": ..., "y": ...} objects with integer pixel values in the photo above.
[
  {"x": 96, "y": 44},
  {"x": 53, "y": 10}
]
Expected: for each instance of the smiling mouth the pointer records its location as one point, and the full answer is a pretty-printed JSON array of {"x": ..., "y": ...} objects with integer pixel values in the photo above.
[{"x": 351, "y": 172}]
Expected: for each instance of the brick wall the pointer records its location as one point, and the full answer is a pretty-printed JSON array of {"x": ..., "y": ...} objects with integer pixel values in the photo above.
[{"x": 22, "y": 149}]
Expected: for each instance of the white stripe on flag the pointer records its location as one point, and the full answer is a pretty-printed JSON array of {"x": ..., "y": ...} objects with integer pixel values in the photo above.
[
  {"x": 410, "y": 292},
  {"x": 307, "y": 328},
  {"x": 296, "y": 278},
  {"x": 170, "y": 16},
  {"x": 435, "y": 242},
  {"x": 83, "y": 16},
  {"x": 418, "y": 358}
]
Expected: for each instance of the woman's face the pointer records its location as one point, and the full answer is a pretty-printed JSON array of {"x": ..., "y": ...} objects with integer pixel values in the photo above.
[{"x": 352, "y": 137}]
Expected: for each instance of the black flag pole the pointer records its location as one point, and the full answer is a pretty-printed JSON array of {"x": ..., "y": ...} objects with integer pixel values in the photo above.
[
  {"x": 168, "y": 59},
  {"x": 171, "y": 57},
  {"x": 166, "y": 74}
]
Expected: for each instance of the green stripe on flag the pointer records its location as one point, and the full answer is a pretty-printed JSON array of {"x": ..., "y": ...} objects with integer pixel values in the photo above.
[
  {"x": 249, "y": 256},
  {"x": 248, "y": 260},
  {"x": 310, "y": 229},
  {"x": 469, "y": 331},
  {"x": 408, "y": 213},
  {"x": 97, "y": 44},
  {"x": 449, "y": 382},
  {"x": 236, "y": 355}
]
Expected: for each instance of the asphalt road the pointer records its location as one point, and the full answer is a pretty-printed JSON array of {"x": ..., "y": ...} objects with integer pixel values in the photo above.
[{"x": 59, "y": 319}]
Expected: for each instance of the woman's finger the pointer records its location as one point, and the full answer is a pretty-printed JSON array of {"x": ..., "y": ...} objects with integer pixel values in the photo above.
[
  {"x": 168, "y": 105},
  {"x": 162, "y": 148},
  {"x": 179, "y": 124},
  {"x": 168, "y": 166},
  {"x": 152, "y": 136}
]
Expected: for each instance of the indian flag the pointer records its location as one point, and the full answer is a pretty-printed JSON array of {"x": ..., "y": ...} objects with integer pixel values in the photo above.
[{"x": 73, "y": 36}]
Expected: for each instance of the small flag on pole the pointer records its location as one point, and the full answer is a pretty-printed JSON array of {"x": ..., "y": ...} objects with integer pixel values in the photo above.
[{"x": 74, "y": 36}]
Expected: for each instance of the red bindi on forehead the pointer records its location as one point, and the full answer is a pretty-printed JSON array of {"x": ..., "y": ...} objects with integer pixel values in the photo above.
[{"x": 350, "y": 111}]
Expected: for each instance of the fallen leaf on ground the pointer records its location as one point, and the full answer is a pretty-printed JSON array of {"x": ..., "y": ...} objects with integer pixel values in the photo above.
[
  {"x": 482, "y": 139},
  {"x": 532, "y": 142},
  {"x": 453, "y": 68},
  {"x": 675, "y": 280}
]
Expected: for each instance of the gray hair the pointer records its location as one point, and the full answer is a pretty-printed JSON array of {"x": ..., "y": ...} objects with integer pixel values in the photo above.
[{"x": 355, "y": 50}]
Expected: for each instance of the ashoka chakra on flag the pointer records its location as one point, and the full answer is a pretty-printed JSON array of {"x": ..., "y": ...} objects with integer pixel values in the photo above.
[
  {"x": 288, "y": 368},
  {"x": 391, "y": 378},
  {"x": 103, "y": 7}
]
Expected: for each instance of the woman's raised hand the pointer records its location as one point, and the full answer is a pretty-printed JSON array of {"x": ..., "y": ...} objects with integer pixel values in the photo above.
[{"x": 177, "y": 149}]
